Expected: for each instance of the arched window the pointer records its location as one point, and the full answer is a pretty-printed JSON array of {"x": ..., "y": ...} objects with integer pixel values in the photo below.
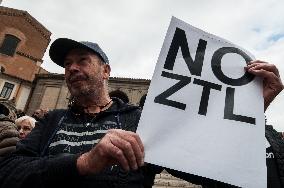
[
  {"x": 119, "y": 94},
  {"x": 9, "y": 45}
]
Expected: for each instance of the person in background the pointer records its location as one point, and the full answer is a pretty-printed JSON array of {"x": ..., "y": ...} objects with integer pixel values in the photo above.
[
  {"x": 9, "y": 135},
  {"x": 25, "y": 124},
  {"x": 39, "y": 113},
  {"x": 20, "y": 113},
  {"x": 274, "y": 157},
  {"x": 282, "y": 135}
]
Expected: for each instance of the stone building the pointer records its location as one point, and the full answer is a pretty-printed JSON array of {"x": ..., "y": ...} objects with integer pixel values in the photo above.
[
  {"x": 23, "y": 42},
  {"x": 50, "y": 91}
]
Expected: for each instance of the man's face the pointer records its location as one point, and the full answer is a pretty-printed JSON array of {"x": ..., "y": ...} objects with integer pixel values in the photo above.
[
  {"x": 84, "y": 73},
  {"x": 38, "y": 114}
]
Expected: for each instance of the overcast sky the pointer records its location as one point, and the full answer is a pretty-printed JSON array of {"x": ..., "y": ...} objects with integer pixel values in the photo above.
[{"x": 131, "y": 32}]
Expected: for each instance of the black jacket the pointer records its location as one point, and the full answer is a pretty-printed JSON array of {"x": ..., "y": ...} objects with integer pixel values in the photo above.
[
  {"x": 277, "y": 146},
  {"x": 32, "y": 166}
]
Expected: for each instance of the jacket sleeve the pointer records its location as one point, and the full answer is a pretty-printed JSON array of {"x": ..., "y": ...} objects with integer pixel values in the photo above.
[
  {"x": 149, "y": 172},
  {"x": 26, "y": 168}
]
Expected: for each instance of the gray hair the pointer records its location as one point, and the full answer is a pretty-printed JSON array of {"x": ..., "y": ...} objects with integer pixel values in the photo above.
[{"x": 30, "y": 119}]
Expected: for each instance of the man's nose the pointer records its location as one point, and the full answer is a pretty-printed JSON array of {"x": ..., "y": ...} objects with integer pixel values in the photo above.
[{"x": 74, "y": 67}]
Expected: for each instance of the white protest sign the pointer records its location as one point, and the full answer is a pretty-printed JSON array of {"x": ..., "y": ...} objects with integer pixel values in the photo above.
[{"x": 204, "y": 114}]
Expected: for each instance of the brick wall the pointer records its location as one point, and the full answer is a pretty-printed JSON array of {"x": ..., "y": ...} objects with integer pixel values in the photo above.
[{"x": 34, "y": 39}]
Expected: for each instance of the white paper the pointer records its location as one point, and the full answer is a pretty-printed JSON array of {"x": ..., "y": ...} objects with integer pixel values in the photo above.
[{"x": 205, "y": 144}]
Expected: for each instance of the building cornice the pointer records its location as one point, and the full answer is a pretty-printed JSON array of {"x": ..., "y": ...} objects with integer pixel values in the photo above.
[
  {"x": 31, "y": 20},
  {"x": 16, "y": 77},
  {"x": 111, "y": 79},
  {"x": 29, "y": 57},
  {"x": 130, "y": 80},
  {"x": 49, "y": 76}
]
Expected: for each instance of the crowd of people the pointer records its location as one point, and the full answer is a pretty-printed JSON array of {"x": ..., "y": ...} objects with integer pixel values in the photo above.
[
  {"x": 14, "y": 126},
  {"x": 93, "y": 143}
]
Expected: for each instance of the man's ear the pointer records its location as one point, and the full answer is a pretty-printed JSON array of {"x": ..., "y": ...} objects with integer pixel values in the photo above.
[{"x": 106, "y": 71}]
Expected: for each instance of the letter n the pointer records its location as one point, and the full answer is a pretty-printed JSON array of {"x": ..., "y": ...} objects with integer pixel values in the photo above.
[{"x": 180, "y": 40}]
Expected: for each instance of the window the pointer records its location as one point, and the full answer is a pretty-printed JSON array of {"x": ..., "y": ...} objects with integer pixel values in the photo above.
[
  {"x": 9, "y": 45},
  {"x": 7, "y": 90}
]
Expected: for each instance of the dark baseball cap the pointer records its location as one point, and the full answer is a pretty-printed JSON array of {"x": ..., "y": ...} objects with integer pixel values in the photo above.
[{"x": 62, "y": 46}]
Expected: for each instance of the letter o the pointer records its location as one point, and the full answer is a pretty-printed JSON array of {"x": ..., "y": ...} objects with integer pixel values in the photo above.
[{"x": 216, "y": 66}]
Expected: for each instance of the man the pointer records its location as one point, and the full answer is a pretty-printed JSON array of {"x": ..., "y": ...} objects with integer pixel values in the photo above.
[
  {"x": 92, "y": 143},
  {"x": 83, "y": 146},
  {"x": 39, "y": 113}
]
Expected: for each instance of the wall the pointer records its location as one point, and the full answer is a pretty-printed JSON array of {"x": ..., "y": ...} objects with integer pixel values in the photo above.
[
  {"x": 21, "y": 66},
  {"x": 34, "y": 39},
  {"x": 21, "y": 90},
  {"x": 50, "y": 91}
]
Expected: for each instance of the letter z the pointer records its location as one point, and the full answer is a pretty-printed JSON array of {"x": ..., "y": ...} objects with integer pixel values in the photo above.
[{"x": 162, "y": 98}]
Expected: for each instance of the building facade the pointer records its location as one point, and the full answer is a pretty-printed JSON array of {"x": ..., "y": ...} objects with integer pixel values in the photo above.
[
  {"x": 23, "y": 42},
  {"x": 51, "y": 92}
]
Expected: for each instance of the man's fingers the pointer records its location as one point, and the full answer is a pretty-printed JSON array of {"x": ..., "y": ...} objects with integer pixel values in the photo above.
[
  {"x": 139, "y": 141},
  {"x": 261, "y": 65},
  {"x": 263, "y": 73},
  {"x": 116, "y": 147},
  {"x": 257, "y": 61},
  {"x": 272, "y": 84},
  {"x": 140, "y": 158},
  {"x": 128, "y": 135},
  {"x": 118, "y": 155},
  {"x": 131, "y": 145},
  {"x": 135, "y": 142},
  {"x": 125, "y": 154},
  {"x": 137, "y": 146}
]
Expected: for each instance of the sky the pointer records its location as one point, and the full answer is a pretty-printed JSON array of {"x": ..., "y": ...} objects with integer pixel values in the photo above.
[{"x": 132, "y": 32}]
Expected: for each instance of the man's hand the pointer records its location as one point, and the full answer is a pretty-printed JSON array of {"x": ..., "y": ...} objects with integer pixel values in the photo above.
[
  {"x": 272, "y": 84},
  {"x": 117, "y": 147}
]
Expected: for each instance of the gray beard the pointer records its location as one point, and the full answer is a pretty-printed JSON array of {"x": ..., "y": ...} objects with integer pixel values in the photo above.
[
  {"x": 91, "y": 92},
  {"x": 88, "y": 94}
]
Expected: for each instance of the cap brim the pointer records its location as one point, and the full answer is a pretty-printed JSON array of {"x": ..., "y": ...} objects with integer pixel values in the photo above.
[{"x": 60, "y": 48}]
